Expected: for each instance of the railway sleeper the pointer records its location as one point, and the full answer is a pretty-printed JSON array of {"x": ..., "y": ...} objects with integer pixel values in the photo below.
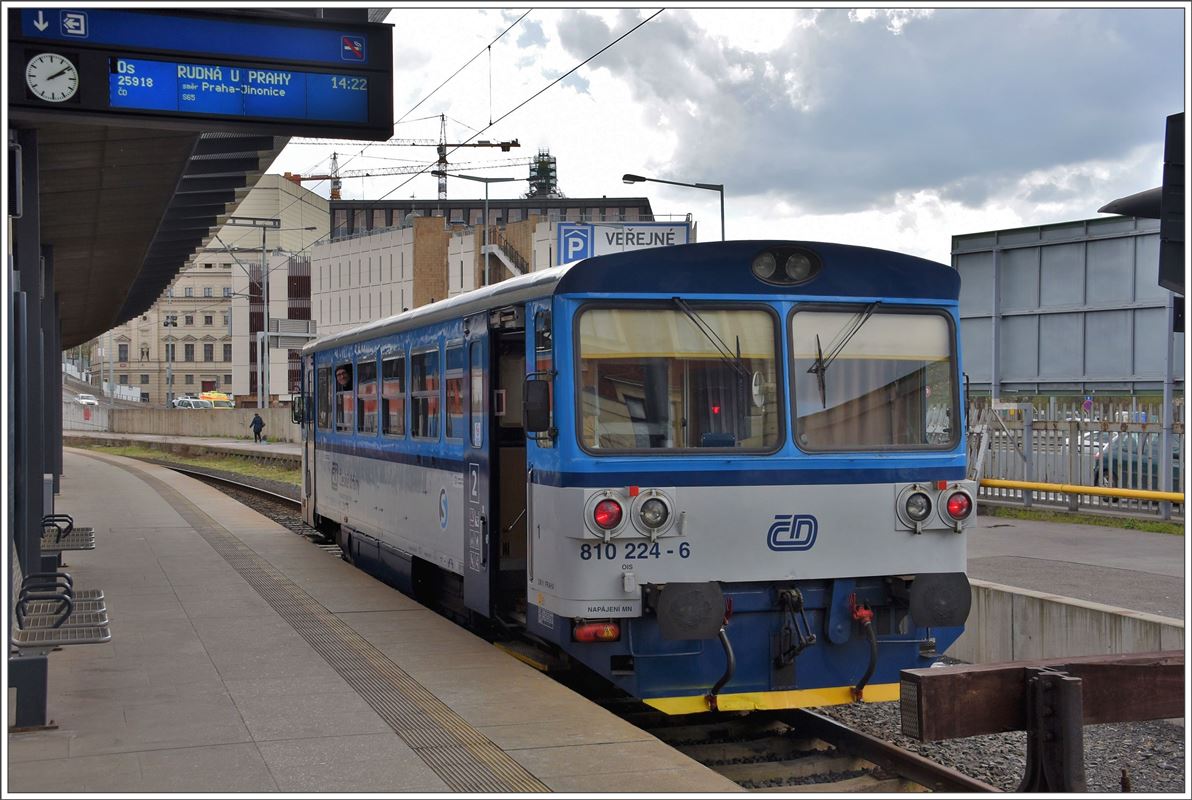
[{"x": 770, "y": 747}]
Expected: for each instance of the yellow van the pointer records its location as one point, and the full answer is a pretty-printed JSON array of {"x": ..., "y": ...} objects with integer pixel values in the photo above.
[{"x": 218, "y": 399}]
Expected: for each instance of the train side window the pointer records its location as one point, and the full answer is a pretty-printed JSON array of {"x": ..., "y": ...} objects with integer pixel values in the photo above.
[
  {"x": 345, "y": 406},
  {"x": 324, "y": 397},
  {"x": 453, "y": 383},
  {"x": 476, "y": 409},
  {"x": 393, "y": 396},
  {"x": 424, "y": 395},
  {"x": 366, "y": 395}
]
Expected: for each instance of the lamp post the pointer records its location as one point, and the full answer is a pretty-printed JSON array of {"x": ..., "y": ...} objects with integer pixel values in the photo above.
[
  {"x": 171, "y": 321},
  {"x": 486, "y": 181},
  {"x": 716, "y": 187}
]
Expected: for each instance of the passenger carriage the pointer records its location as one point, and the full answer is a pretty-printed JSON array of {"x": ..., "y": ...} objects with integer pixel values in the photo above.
[{"x": 725, "y": 475}]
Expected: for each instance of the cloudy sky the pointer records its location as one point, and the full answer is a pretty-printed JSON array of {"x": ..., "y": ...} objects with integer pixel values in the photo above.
[{"x": 892, "y": 129}]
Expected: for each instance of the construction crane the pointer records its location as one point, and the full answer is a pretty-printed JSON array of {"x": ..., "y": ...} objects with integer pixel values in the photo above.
[
  {"x": 441, "y": 166},
  {"x": 336, "y": 175}
]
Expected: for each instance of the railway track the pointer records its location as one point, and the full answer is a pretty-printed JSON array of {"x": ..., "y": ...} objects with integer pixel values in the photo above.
[{"x": 789, "y": 751}]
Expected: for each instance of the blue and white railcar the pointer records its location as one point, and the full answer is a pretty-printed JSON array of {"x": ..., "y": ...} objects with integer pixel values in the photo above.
[{"x": 725, "y": 475}]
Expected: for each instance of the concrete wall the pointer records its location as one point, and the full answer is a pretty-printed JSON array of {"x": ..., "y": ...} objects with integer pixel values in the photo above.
[
  {"x": 84, "y": 418},
  {"x": 222, "y": 423},
  {"x": 430, "y": 254},
  {"x": 1010, "y": 624}
]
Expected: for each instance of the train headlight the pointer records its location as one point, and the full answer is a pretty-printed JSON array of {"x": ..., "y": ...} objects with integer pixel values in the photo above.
[
  {"x": 918, "y": 506},
  {"x": 765, "y": 265},
  {"x": 798, "y": 267},
  {"x": 959, "y": 506},
  {"x": 653, "y": 513},
  {"x": 607, "y": 514}
]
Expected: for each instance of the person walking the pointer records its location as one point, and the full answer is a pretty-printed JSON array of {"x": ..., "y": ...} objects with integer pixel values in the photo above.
[{"x": 257, "y": 425}]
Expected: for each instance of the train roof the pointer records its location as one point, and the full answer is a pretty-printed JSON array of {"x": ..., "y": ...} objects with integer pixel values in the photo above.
[{"x": 711, "y": 267}]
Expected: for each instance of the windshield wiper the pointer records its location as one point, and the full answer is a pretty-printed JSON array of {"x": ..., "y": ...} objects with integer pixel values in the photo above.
[
  {"x": 821, "y": 363},
  {"x": 710, "y": 334}
]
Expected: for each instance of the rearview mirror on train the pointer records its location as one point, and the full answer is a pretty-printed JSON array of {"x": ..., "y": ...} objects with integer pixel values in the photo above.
[
  {"x": 296, "y": 411},
  {"x": 536, "y": 406}
]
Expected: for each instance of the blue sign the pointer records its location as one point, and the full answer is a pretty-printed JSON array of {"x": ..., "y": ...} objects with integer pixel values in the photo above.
[
  {"x": 197, "y": 34},
  {"x": 214, "y": 89},
  {"x": 575, "y": 241}
]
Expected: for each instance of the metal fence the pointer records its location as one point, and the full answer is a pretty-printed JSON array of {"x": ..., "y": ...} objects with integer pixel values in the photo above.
[{"x": 1110, "y": 444}]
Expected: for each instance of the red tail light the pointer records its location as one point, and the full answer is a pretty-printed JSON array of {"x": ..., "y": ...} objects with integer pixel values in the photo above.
[
  {"x": 597, "y": 632},
  {"x": 959, "y": 506},
  {"x": 607, "y": 514}
]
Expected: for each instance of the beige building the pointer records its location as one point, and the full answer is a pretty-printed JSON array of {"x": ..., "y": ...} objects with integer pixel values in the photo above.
[{"x": 217, "y": 305}]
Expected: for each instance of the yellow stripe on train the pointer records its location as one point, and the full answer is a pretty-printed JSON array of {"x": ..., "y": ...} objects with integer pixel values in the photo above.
[{"x": 771, "y": 701}]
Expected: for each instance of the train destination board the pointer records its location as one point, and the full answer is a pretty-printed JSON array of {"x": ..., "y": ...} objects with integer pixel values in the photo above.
[
  {"x": 197, "y": 70},
  {"x": 237, "y": 91}
]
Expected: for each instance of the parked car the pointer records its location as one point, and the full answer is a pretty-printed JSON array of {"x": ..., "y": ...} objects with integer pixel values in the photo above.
[
  {"x": 85, "y": 399},
  {"x": 1132, "y": 461},
  {"x": 192, "y": 402}
]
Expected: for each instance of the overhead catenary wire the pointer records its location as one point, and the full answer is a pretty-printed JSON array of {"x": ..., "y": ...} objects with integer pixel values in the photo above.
[{"x": 512, "y": 110}]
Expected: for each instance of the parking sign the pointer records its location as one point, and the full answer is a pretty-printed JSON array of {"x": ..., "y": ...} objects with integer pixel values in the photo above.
[{"x": 575, "y": 242}]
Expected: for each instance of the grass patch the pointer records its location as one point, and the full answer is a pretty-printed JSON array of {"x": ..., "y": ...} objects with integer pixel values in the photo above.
[
  {"x": 1128, "y": 523},
  {"x": 223, "y": 463}
]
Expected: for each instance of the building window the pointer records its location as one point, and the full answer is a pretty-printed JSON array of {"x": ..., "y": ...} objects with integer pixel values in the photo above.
[
  {"x": 227, "y": 291},
  {"x": 144, "y": 378},
  {"x": 227, "y": 380},
  {"x": 207, "y": 291},
  {"x": 424, "y": 395},
  {"x": 188, "y": 352},
  {"x": 170, "y": 292},
  {"x": 227, "y": 352},
  {"x": 208, "y": 319},
  {"x": 515, "y": 215},
  {"x": 189, "y": 319},
  {"x": 208, "y": 352},
  {"x": 208, "y": 266},
  {"x": 366, "y": 394},
  {"x": 225, "y": 322},
  {"x": 190, "y": 379},
  {"x": 169, "y": 351},
  {"x": 123, "y": 355},
  {"x": 393, "y": 396},
  {"x": 188, "y": 291},
  {"x": 124, "y": 380}
]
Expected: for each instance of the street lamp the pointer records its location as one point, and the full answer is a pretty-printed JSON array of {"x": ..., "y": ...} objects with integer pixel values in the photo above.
[
  {"x": 486, "y": 181},
  {"x": 171, "y": 321},
  {"x": 716, "y": 187}
]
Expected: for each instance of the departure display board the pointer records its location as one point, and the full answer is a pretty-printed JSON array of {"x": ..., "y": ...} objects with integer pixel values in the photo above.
[
  {"x": 202, "y": 71},
  {"x": 237, "y": 91}
]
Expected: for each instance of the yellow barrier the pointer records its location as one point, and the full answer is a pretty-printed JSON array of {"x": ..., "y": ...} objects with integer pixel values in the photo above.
[{"x": 1072, "y": 488}]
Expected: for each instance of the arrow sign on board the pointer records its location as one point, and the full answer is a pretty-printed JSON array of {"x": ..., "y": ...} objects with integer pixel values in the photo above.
[{"x": 40, "y": 23}]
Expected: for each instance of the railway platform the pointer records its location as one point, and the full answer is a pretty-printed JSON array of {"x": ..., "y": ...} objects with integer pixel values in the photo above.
[{"x": 243, "y": 659}]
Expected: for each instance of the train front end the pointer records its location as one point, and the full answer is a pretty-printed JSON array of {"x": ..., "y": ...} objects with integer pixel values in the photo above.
[{"x": 750, "y": 492}]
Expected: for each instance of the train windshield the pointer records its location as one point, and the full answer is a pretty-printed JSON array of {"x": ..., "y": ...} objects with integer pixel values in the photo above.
[
  {"x": 691, "y": 376},
  {"x": 866, "y": 378}
]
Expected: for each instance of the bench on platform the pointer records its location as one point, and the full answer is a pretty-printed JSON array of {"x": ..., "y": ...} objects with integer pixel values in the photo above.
[
  {"x": 59, "y": 534},
  {"x": 49, "y": 612}
]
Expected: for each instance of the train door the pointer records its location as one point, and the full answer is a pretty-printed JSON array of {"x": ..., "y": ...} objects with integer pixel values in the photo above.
[
  {"x": 479, "y": 562},
  {"x": 308, "y": 441}
]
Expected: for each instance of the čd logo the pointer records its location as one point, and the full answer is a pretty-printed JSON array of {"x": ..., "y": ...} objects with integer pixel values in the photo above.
[{"x": 793, "y": 532}]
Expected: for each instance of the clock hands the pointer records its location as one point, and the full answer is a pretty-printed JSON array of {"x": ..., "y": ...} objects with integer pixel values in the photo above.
[{"x": 60, "y": 72}]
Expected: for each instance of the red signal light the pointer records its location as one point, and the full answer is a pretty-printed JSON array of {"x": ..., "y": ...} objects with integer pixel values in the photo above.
[
  {"x": 607, "y": 514},
  {"x": 959, "y": 506},
  {"x": 715, "y": 409},
  {"x": 597, "y": 632}
]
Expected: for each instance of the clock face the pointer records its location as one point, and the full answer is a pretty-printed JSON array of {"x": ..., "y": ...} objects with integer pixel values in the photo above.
[{"x": 52, "y": 77}]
